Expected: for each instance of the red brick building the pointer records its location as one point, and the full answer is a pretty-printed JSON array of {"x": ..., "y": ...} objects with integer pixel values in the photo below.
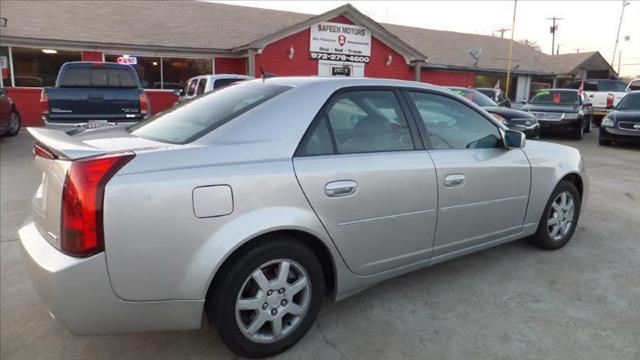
[{"x": 169, "y": 42}]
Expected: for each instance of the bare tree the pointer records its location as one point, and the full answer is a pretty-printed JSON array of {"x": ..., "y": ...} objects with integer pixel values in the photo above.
[{"x": 530, "y": 43}]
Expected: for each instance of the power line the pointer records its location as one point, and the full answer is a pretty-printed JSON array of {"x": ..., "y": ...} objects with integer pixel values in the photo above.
[{"x": 502, "y": 31}]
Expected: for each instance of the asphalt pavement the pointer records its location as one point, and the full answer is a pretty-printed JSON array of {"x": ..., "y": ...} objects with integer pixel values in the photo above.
[{"x": 510, "y": 302}]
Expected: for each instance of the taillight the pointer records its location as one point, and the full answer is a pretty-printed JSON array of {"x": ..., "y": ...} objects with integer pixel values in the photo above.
[
  {"x": 82, "y": 232},
  {"x": 144, "y": 104},
  {"x": 41, "y": 151},
  {"x": 44, "y": 103},
  {"x": 610, "y": 99}
]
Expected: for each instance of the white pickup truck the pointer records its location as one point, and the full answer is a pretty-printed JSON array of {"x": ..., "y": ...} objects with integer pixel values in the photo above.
[{"x": 603, "y": 94}]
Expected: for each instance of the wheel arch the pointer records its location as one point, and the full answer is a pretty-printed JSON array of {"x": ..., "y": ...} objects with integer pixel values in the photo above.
[
  {"x": 311, "y": 241},
  {"x": 575, "y": 179}
]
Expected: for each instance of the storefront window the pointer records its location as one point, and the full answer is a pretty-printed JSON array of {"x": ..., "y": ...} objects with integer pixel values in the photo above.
[
  {"x": 4, "y": 66},
  {"x": 177, "y": 71},
  {"x": 38, "y": 68},
  {"x": 148, "y": 69}
]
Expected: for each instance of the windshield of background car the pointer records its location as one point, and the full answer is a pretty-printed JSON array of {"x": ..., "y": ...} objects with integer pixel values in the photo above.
[
  {"x": 630, "y": 102},
  {"x": 551, "y": 97},
  {"x": 192, "y": 119},
  {"x": 476, "y": 96},
  {"x": 612, "y": 85}
]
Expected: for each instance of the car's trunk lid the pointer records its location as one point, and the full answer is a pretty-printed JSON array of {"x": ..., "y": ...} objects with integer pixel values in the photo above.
[{"x": 60, "y": 150}]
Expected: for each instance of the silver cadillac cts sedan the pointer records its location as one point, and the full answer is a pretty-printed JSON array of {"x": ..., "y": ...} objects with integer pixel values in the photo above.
[{"x": 254, "y": 202}]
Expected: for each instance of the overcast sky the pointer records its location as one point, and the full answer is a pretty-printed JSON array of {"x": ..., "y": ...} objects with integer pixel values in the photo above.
[{"x": 588, "y": 25}]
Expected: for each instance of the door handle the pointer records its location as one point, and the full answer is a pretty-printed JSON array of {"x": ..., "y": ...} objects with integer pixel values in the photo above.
[
  {"x": 454, "y": 180},
  {"x": 340, "y": 188}
]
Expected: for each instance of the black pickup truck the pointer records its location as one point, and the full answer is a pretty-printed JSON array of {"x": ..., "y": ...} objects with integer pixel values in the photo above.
[{"x": 94, "y": 94}]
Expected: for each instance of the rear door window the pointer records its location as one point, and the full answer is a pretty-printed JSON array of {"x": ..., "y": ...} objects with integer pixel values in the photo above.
[
  {"x": 191, "y": 91},
  {"x": 191, "y": 120},
  {"x": 202, "y": 84},
  {"x": 360, "y": 121}
]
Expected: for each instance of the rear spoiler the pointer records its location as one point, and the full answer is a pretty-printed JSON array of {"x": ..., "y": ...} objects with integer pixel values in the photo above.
[{"x": 63, "y": 145}]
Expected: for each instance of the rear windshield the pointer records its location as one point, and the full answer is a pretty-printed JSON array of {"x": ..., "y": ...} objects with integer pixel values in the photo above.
[
  {"x": 478, "y": 97},
  {"x": 97, "y": 77},
  {"x": 612, "y": 85},
  {"x": 556, "y": 98},
  {"x": 630, "y": 102},
  {"x": 192, "y": 119}
]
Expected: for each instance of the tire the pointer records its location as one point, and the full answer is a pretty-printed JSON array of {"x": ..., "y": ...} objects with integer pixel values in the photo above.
[
  {"x": 237, "y": 280},
  {"x": 577, "y": 132},
  {"x": 604, "y": 142},
  {"x": 587, "y": 129},
  {"x": 14, "y": 124},
  {"x": 544, "y": 236},
  {"x": 597, "y": 120}
]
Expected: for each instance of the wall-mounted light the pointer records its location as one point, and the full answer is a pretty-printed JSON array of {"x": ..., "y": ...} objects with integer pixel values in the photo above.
[
  {"x": 155, "y": 63},
  {"x": 389, "y": 59},
  {"x": 49, "y": 51},
  {"x": 292, "y": 51}
]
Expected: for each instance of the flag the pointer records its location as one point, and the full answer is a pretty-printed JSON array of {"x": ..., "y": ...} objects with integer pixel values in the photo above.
[{"x": 581, "y": 88}]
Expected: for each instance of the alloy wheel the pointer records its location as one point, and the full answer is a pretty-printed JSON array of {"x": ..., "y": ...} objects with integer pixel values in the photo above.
[
  {"x": 14, "y": 123},
  {"x": 560, "y": 218},
  {"x": 273, "y": 301}
]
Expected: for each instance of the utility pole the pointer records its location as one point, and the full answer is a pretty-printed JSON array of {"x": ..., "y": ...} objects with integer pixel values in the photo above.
[
  {"x": 624, "y": 4},
  {"x": 502, "y": 31},
  {"x": 513, "y": 30},
  {"x": 619, "y": 61},
  {"x": 558, "y": 49},
  {"x": 553, "y": 29}
]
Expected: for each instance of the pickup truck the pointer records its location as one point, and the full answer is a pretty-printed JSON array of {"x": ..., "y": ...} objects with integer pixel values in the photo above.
[
  {"x": 603, "y": 94},
  {"x": 94, "y": 94}
]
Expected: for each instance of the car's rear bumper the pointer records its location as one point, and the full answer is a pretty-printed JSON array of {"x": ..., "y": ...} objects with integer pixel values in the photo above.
[
  {"x": 68, "y": 125},
  {"x": 621, "y": 135},
  {"x": 77, "y": 292}
]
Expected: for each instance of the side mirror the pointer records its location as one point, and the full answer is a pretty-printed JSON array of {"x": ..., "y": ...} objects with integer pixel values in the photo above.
[
  {"x": 177, "y": 92},
  {"x": 514, "y": 139}
]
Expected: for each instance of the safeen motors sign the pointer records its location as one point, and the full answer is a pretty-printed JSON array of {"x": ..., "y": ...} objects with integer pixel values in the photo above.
[{"x": 340, "y": 42}]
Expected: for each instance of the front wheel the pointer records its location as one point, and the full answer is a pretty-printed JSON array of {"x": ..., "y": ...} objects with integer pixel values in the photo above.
[
  {"x": 14, "y": 124},
  {"x": 559, "y": 219},
  {"x": 268, "y": 298}
]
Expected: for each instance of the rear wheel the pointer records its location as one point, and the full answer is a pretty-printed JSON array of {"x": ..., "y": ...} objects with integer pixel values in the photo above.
[
  {"x": 587, "y": 128},
  {"x": 14, "y": 124},
  {"x": 268, "y": 298},
  {"x": 577, "y": 132},
  {"x": 559, "y": 219}
]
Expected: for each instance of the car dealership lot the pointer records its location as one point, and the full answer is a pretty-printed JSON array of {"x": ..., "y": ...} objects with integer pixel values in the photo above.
[{"x": 513, "y": 301}]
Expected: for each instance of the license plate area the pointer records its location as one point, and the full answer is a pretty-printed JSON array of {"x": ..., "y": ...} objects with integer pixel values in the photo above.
[{"x": 93, "y": 124}]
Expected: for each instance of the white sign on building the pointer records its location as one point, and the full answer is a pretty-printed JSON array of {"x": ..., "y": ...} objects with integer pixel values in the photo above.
[{"x": 340, "y": 42}]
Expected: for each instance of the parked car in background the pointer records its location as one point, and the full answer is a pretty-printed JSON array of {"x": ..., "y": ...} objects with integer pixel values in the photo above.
[
  {"x": 496, "y": 95},
  {"x": 603, "y": 94},
  {"x": 254, "y": 202},
  {"x": 207, "y": 83},
  {"x": 94, "y": 94},
  {"x": 9, "y": 117},
  {"x": 561, "y": 110},
  {"x": 622, "y": 124},
  {"x": 513, "y": 119},
  {"x": 634, "y": 85}
]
